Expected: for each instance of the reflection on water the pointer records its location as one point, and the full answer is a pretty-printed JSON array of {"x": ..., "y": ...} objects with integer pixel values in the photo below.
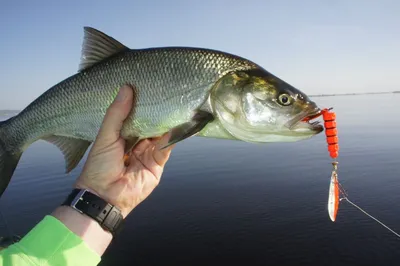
[{"x": 223, "y": 201}]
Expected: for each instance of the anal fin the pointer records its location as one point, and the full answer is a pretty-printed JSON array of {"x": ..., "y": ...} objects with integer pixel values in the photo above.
[
  {"x": 72, "y": 149},
  {"x": 188, "y": 129}
]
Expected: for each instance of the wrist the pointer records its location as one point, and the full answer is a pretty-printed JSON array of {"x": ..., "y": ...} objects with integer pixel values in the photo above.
[
  {"x": 107, "y": 197},
  {"x": 79, "y": 186},
  {"x": 85, "y": 227},
  {"x": 99, "y": 209}
]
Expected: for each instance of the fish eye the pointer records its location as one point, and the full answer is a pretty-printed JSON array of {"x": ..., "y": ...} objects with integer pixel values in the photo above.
[{"x": 284, "y": 99}]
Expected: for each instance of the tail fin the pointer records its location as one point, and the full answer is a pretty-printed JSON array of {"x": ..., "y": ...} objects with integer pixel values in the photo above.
[{"x": 8, "y": 162}]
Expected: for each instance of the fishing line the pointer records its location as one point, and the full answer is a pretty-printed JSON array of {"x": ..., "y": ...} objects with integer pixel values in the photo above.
[
  {"x": 6, "y": 224},
  {"x": 5, "y": 241},
  {"x": 336, "y": 188},
  {"x": 369, "y": 215}
]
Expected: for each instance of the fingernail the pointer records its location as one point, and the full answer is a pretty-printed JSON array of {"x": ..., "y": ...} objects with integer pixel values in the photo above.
[{"x": 121, "y": 96}]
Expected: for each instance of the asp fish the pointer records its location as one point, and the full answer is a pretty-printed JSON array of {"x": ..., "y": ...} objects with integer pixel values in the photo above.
[{"x": 185, "y": 90}]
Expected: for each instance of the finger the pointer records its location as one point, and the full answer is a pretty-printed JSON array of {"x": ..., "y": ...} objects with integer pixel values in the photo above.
[
  {"x": 161, "y": 156},
  {"x": 147, "y": 160},
  {"x": 116, "y": 113},
  {"x": 141, "y": 146},
  {"x": 137, "y": 152}
]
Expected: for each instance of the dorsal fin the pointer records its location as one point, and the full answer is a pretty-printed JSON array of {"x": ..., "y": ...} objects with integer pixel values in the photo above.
[{"x": 98, "y": 46}]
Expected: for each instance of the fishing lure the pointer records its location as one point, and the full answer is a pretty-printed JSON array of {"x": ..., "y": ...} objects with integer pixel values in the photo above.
[
  {"x": 335, "y": 189},
  {"x": 332, "y": 140},
  {"x": 333, "y": 148}
]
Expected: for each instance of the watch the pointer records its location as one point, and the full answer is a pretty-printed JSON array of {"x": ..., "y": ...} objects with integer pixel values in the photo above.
[{"x": 108, "y": 216}]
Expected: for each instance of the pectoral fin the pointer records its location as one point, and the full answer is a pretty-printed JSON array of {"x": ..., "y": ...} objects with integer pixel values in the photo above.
[
  {"x": 188, "y": 129},
  {"x": 73, "y": 149}
]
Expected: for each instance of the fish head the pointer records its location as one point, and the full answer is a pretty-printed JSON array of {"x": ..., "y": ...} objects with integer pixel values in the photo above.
[{"x": 255, "y": 106}]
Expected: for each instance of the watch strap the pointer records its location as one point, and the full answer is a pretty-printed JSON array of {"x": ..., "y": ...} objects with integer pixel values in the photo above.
[{"x": 108, "y": 216}]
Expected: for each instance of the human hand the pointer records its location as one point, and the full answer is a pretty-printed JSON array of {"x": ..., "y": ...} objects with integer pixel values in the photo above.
[{"x": 105, "y": 173}]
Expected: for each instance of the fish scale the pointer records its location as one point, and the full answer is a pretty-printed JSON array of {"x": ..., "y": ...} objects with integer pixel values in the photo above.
[{"x": 173, "y": 88}]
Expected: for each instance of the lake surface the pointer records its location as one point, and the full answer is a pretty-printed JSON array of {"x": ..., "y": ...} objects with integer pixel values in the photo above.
[{"x": 227, "y": 202}]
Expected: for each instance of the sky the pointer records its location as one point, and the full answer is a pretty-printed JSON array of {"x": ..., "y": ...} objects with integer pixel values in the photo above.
[{"x": 320, "y": 47}]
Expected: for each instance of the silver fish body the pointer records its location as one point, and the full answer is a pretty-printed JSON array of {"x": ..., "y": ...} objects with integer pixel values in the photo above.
[
  {"x": 171, "y": 85},
  {"x": 166, "y": 96}
]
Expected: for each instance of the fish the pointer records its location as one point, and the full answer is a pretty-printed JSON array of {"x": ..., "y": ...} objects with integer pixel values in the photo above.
[{"x": 187, "y": 91}]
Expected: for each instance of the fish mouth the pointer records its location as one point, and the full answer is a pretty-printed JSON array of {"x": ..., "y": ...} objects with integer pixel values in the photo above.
[{"x": 302, "y": 122}]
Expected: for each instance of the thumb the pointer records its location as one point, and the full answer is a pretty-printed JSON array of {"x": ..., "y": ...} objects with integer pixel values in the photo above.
[{"x": 116, "y": 113}]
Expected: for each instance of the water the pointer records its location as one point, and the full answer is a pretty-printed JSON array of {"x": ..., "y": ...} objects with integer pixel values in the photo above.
[{"x": 227, "y": 202}]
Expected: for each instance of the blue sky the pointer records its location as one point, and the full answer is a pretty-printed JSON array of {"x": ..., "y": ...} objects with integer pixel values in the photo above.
[{"x": 334, "y": 46}]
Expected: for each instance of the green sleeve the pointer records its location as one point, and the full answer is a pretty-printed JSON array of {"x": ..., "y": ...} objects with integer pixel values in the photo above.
[{"x": 50, "y": 242}]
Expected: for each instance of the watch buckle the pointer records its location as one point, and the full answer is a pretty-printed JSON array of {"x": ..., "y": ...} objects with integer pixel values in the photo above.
[{"x": 77, "y": 198}]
